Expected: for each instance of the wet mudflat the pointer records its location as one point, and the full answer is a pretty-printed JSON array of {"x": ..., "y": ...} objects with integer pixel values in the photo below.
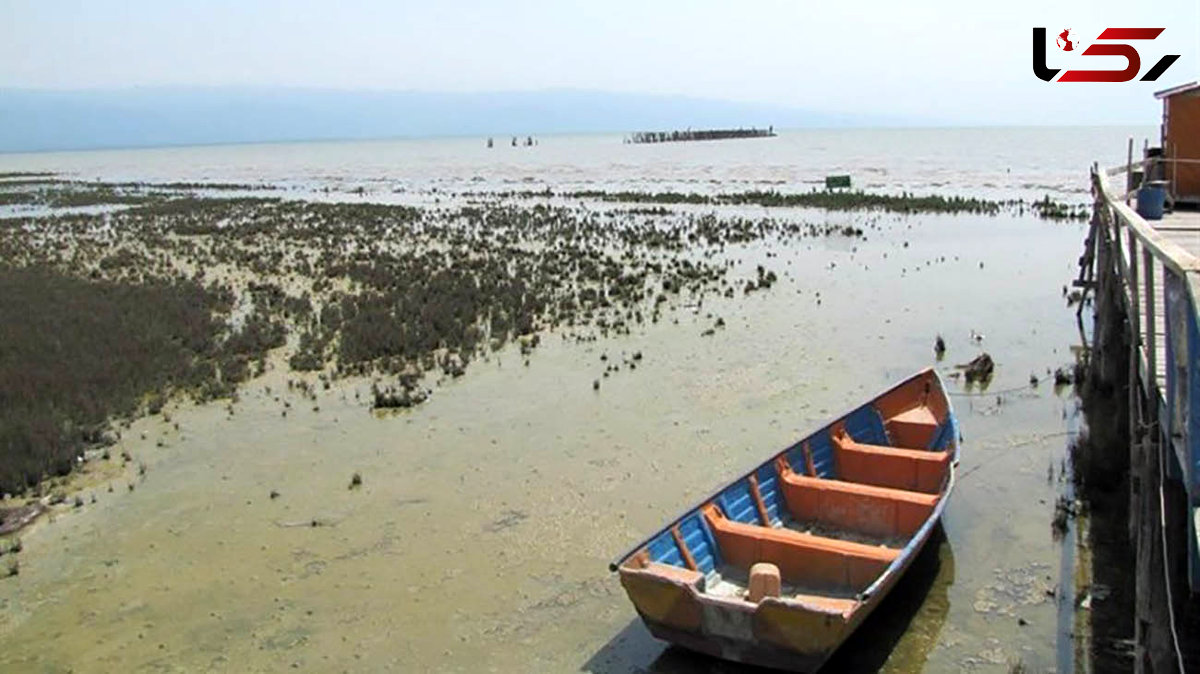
[{"x": 479, "y": 536}]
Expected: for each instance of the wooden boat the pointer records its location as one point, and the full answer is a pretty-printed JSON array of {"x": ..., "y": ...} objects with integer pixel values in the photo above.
[{"x": 781, "y": 565}]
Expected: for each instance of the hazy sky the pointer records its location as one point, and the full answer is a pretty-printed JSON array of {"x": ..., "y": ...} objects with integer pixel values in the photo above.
[{"x": 949, "y": 60}]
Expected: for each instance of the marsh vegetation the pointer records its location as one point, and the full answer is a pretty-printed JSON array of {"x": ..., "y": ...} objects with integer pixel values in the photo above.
[
  {"x": 186, "y": 289},
  {"x": 108, "y": 315}
]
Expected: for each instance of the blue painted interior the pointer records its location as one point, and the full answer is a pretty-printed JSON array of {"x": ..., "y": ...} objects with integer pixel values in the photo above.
[
  {"x": 737, "y": 502},
  {"x": 795, "y": 458},
  {"x": 768, "y": 488},
  {"x": 822, "y": 453},
  {"x": 941, "y": 439},
  {"x": 664, "y": 551},
  {"x": 865, "y": 425},
  {"x": 700, "y": 542}
]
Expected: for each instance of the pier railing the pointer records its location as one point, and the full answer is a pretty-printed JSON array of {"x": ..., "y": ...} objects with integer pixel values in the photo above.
[
  {"x": 1162, "y": 294},
  {"x": 1165, "y": 169},
  {"x": 1155, "y": 284}
]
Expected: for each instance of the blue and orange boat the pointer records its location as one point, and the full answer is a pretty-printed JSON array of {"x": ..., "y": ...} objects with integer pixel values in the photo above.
[{"x": 781, "y": 565}]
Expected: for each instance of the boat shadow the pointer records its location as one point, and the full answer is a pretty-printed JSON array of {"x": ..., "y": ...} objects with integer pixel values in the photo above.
[{"x": 918, "y": 602}]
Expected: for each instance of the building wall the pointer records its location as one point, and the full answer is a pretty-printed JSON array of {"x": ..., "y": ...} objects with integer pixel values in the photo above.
[{"x": 1182, "y": 140}]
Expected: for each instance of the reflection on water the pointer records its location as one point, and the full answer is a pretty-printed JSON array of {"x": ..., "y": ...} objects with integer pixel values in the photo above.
[{"x": 899, "y": 635}]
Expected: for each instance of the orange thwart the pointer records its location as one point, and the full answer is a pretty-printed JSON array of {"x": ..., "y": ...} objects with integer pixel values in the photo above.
[{"x": 779, "y": 567}]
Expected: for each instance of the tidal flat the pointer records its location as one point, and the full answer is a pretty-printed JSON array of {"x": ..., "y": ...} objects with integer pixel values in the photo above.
[{"x": 587, "y": 365}]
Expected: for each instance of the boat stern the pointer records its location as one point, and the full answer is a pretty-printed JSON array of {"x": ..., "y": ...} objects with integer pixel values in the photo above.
[{"x": 781, "y": 633}]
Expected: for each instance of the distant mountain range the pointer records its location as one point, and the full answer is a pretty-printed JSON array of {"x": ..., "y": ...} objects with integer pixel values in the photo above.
[{"x": 39, "y": 120}]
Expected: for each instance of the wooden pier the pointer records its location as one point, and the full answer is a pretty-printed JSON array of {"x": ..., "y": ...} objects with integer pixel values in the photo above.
[
  {"x": 699, "y": 134},
  {"x": 1145, "y": 276}
]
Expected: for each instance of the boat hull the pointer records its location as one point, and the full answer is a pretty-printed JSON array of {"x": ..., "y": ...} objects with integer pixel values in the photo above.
[
  {"x": 788, "y": 638},
  {"x": 736, "y": 650},
  {"x": 683, "y": 599}
]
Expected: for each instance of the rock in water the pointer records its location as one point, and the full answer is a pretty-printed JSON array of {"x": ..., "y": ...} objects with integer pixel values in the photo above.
[
  {"x": 939, "y": 346},
  {"x": 980, "y": 368}
]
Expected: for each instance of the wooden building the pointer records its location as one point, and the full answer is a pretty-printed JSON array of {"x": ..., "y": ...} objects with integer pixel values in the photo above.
[{"x": 1181, "y": 142}]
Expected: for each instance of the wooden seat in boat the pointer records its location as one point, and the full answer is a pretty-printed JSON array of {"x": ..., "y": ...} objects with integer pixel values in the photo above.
[
  {"x": 914, "y": 414},
  {"x": 915, "y": 427},
  {"x": 803, "y": 559},
  {"x": 919, "y": 470},
  {"x": 862, "y": 508}
]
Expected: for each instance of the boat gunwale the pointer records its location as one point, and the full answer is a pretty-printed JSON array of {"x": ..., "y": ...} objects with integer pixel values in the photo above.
[{"x": 919, "y": 535}]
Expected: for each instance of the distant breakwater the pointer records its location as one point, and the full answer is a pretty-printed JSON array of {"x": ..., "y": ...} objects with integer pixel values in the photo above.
[{"x": 699, "y": 134}]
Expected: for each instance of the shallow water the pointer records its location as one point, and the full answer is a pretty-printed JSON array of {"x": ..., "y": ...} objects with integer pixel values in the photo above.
[
  {"x": 990, "y": 162},
  {"x": 480, "y": 537}
]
